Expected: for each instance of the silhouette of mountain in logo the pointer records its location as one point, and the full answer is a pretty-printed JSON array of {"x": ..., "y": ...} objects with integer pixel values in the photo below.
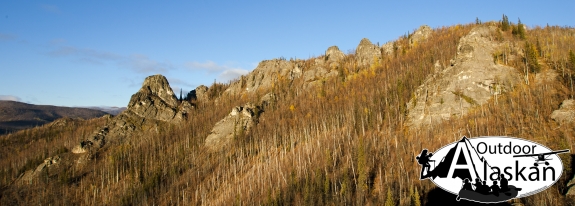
[{"x": 461, "y": 167}]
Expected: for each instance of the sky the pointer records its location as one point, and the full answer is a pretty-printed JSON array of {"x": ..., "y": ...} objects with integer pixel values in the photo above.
[{"x": 98, "y": 53}]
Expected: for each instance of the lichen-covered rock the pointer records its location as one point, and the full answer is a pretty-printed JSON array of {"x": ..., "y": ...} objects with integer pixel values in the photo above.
[
  {"x": 333, "y": 54},
  {"x": 472, "y": 79},
  {"x": 565, "y": 113},
  {"x": 366, "y": 52}
]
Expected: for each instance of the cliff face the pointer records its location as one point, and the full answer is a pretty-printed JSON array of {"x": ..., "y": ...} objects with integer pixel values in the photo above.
[{"x": 472, "y": 79}]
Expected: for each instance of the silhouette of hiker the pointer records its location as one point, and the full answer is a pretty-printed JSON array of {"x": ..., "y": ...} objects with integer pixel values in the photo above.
[
  {"x": 495, "y": 189},
  {"x": 467, "y": 185},
  {"x": 423, "y": 159},
  {"x": 504, "y": 184}
]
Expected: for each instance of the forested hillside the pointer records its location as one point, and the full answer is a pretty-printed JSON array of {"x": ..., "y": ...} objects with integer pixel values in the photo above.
[{"x": 343, "y": 136}]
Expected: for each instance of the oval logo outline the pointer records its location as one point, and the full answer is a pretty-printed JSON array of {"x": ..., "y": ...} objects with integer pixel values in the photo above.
[{"x": 495, "y": 155}]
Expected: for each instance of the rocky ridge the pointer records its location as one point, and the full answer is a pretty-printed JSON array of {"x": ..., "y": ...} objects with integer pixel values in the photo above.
[
  {"x": 472, "y": 79},
  {"x": 270, "y": 72},
  {"x": 151, "y": 107},
  {"x": 154, "y": 103}
]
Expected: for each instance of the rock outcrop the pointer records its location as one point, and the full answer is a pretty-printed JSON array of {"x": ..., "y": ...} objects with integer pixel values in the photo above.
[
  {"x": 366, "y": 52},
  {"x": 420, "y": 34},
  {"x": 30, "y": 175},
  {"x": 236, "y": 125},
  {"x": 155, "y": 102},
  {"x": 265, "y": 75},
  {"x": 318, "y": 73},
  {"x": 388, "y": 48},
  {"x": 472, "y": 80},
  {"x": 334, "y": 54},
  {"x": 202, "y": 93},
  {"x": 565, "y": 113}
]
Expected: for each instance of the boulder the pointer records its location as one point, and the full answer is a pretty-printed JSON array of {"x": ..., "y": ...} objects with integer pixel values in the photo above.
[
  {"x": 565, "y": 113},
  {"x": 236, "y": 125}
]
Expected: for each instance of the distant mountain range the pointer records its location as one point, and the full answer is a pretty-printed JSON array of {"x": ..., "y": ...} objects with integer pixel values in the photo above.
[
  {"x": 16, "y": 116},
  {"x": 109, "y": 110}
]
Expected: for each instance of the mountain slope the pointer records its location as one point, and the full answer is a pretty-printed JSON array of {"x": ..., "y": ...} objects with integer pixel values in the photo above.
[
  {"x": 16, "y": 116},
  {"x": 341, "y": 136}
]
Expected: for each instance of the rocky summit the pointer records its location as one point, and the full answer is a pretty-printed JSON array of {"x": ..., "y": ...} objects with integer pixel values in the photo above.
[
  {"x": 156, "y": 100},
  {"x": 366, "y": 52},
  {"x": 154, "y": 103}
]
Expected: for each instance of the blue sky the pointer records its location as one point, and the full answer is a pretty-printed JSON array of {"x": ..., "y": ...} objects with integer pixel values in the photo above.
[{"x": 97, "y": 53}]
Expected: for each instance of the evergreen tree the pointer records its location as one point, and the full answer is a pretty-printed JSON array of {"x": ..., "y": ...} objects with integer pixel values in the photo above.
[
  {"x": 415, "y": 198},
  {"x": 389, "y": 200},
  {"x": 520, "y": 30},
  {"x": 538, "y": 47},
  {"x": 504, "y": 23},
  {"x": 531, "y": 57},
  {"x": 572, "y": 60}
]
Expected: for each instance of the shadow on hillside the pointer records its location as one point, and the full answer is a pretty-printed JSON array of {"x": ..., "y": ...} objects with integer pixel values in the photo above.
[
  {"x": 438, "y": 196},
  {"x": 571, "y": 176},
  {"x": 14, "y": 126}
]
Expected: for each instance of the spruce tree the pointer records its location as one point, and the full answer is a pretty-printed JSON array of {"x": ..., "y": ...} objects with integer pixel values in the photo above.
[
  {"x": 504, "y": 23},
  {"x": 520, "y": 30},
  {"x": 389, "y": 200},
  {"x": 531, "y": 57},
  {"x": 572, "y": 60}
]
